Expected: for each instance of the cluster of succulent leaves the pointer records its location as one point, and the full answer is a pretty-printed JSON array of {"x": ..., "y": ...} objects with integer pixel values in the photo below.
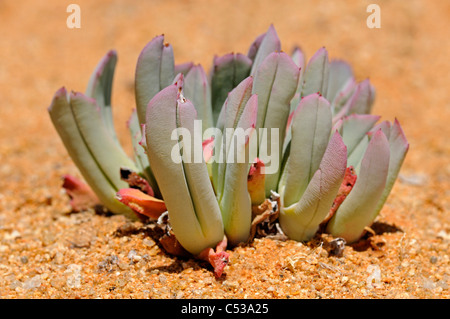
[{"x": 336, "y": 167}]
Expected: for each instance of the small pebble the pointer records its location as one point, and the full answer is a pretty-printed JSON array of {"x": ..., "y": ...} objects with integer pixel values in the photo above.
[
  {"x": 162, "y": 279},
  {"x": 15, "y": 284},
  {"x": 133, "y": 256},
  {"x": 33, "y": 282},
  {"x": 428, "y": 284},
  {"x": 374, "y": 278},
  {"x": 148, "y": 242},
  {"x": 73, "y": 273}
]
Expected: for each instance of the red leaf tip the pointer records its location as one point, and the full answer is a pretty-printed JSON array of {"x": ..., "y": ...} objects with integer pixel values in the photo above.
[{"x": 219, "y": 261}]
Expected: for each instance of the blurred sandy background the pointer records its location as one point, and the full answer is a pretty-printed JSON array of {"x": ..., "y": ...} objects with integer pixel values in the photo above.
[{"x": 406, "y": 59}]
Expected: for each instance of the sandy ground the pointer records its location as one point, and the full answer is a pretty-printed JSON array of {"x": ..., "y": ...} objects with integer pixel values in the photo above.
[{"x": 46, "y": 252}]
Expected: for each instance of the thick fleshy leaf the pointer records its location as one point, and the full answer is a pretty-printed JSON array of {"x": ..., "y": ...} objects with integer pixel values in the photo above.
[
  {"x": 359, "y": 208},
  {"x": 197, "y": 90},
  {"x": 384, "y": 126},
  {"x": 196, "y": 173},
  {"x": 227, "y": 72},
  {"x": 354, "y": 159},
  {"x": 301, "y": 220},
  {"x": 341, "y": 99},
  {"x": 229, "y": 118},
  {"x": 287, "y": 139},
  {"x": 219, "y": 151},
  {"x": 235, "y": 202},
  {"x": 275, "y": 84},
  {"x": 353, "y": 129},
  {"x": 92, "y": 149},
  {"x": 345, "y": 189},
  {"x": 100, "y": 88},
  {"x": 311, "y": 127},
  {"x": 269, "y": 43},
  {"x": 155, "y": 70},
  {"x": 194, "y": 213},
  {"x": 340, "y": 72},
  {"x": 398, "y": 146},
  {"x": 141, "y": 203},
  {"x": 316, "y": 74},
  {"x": 82, "y": 197},
  {"x": 208, "y": 149},
  {"x": 299, "y": 58},
  {"x": 218, "y": 258},
  {"x": 103, "y": 148},
  {"x": 253, "y": 49},
  {"x": 183, "y": 68},
  {"x": 136, "y": 136},
  {"x": 256, "y": 182},
  {"x": 141, "y": 159},
  {"x": 362, "y": 99},
  {"x": 294, "y": 103},
  {"x": 134, "y": 180},
  {"x": 357, "y": 154}
]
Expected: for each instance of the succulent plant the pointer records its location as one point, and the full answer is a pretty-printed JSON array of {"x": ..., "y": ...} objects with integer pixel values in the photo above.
[{"x": 264, "y": 140}]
